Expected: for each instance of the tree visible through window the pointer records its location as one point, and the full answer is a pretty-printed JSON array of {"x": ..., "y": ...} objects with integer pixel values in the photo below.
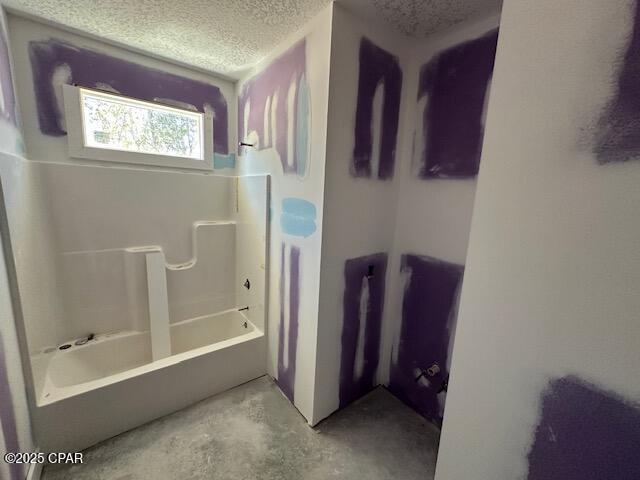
[{"x": 119, "y": 123}]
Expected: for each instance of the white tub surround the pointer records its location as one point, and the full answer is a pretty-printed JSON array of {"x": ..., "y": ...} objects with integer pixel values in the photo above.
[{"x": 193, "y": 328}]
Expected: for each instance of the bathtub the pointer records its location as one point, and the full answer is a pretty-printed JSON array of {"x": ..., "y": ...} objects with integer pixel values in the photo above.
[{"x": 110, "y": 384}]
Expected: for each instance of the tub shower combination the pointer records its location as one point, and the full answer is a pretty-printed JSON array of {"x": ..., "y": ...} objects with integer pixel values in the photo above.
[{"x": 113, "y": 381}]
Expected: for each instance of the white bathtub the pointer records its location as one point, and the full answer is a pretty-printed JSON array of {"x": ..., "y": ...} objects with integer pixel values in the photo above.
[{"x": 111, "y": 385}]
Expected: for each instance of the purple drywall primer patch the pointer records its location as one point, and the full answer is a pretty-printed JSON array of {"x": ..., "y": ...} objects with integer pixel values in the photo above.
[
  {"x": 362, "y": 305},
  {"x": 585, "y": 433},
  {"x": 618, "y": 134},
  {"x": 455, "y": 83},
  {"x": 377, "y": 66},
  {"x": 428, "y": 307},
  {"x": 266, "y": 95},
  {"x": 91, "y": 69},
  {"x": 7, "y": 417},
  {"x": 287, "y": 372},
  {"x": 8, "y": 110}
]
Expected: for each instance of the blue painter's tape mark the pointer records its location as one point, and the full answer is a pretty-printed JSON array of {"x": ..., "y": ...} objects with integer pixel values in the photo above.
[
  {"x": 299, "y": 207},
  {"x": 20, "y": 149},
  {"x": 224, "y": 161},
  {"x": 298, "y": 217}
]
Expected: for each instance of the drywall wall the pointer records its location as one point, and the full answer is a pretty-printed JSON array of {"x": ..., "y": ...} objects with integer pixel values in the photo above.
[
  {"x": 47, "y": 57},
  {"x": 366, "y": 99},
  {"x": 391, "y": 234},
  {"x": 448, "y": 79},
  {"x": 544, "y": 373},
  {"x": 15, "y": 427},
  {"x": 282, "y": 111}
]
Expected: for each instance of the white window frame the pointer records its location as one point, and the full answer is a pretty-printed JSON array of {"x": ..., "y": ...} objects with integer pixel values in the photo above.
[{"x": 72, "y": 98}]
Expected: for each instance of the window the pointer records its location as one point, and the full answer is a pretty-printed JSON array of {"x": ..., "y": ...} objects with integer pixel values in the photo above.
[
  {"x": 108, "y": 127},
  {"x": 124, "y": 124}
]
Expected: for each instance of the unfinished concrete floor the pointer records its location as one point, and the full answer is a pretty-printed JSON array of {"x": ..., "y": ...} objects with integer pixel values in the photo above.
[{"x": 253, "y": 433}]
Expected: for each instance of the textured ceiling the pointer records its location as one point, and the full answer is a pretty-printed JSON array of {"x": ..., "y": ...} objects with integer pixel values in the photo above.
[
  {"x": 224, "y": 36},
  {"x": 229, "y": 36},
  {"x": 420, "y": 18}
]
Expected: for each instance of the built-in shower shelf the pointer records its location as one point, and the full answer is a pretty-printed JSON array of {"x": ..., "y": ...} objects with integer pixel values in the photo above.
[
  {"x": 194, "y": 244},
  {"x": 144, "y": 249},
  {"x": 207, "y": 223}
]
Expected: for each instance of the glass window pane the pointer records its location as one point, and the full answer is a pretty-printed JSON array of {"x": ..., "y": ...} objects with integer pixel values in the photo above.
[{"x": 118, "y": 123}]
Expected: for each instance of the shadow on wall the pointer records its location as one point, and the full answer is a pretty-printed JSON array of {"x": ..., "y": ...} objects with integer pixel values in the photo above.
[
  {"x": 56, "y": 62},
  {"x": 380, "y": 73},
  {"x": 274, "y": 106},
  {"x": 7, "y": 416},
  {"x": 8, "y": 420},
  {"x": 618, "y": 133},
  {"x": 363, "y": 303},
  {"x": 585, "y": 434},
  {"x": 289, "y": 312},
  {"x": 8, "y": 108},
  {"x": 454, "y": 85},
  {"x": 428, "y": 316}
]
